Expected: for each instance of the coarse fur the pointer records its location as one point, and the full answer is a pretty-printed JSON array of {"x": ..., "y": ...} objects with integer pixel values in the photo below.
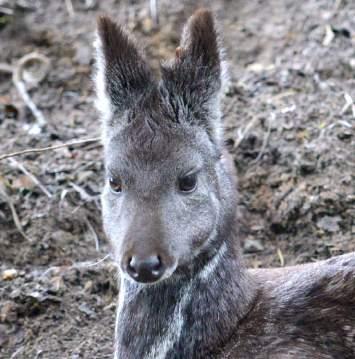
[{"x": 206, "y": 304}]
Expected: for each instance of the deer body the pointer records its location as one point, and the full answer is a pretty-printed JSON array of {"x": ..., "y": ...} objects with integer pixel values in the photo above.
[
  {"x": 306, "y": 312},
  {"x": 169, "y": 209}
]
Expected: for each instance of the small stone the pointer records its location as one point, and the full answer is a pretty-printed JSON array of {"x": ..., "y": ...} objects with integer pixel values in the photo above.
[
  {"x": 8, "y": 312},
  {"x": 83, "y": 55},
  {"x": 9, "y": 274},
  {"x": 288, "y": 125},
  {"x": 289, "y": 136},
  {"x": 4, "y": 336},
  {"x": 23, "y": 182},
  {"x": 259, "y": 67},
  {"x": 329, "y": 224},
  {"x": 15, "y": 294},
  {"x": 56, "y": 285},
  {"x": 253, "y": 245},
  {"x": 307, "y": 167},
  {"x": 36, "y": 296},
  {"x": 83, "y": 176},
  {"x": 88, "y": 286},
  {"x": 84, "y": 308},
  {"x": 345, "y": 135},
  {"x": 147, "y": 25}
]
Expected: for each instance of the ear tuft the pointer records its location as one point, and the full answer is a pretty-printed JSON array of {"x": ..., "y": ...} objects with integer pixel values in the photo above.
[
  {"x": 116, "y": 45},
  {"x": 122, "y": 73},
  {"x": 200, "y": 39},
  {"x": 195, "y": 79}
]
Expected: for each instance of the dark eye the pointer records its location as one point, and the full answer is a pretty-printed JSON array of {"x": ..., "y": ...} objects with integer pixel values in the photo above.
[
  {"x": 115, "y": 184},
  {"x": 187, "y": 183}
]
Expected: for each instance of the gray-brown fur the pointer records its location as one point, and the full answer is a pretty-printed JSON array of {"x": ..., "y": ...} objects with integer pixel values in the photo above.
[
  {"x": 124, "y": 77},
  {"x": 204, "y": 303}
]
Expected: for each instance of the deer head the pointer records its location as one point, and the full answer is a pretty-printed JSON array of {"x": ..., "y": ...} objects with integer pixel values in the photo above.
[{"x": 168, "y": 195}]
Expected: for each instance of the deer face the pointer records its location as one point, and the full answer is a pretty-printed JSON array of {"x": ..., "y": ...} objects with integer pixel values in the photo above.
[{"x": 167, "y": 194}]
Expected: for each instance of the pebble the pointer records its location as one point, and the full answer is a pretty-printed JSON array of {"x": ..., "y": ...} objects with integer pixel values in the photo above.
[
  {"x": 253, "y": 245},
  {"x": 84, "y": 308},
  {"x": 345, "y": 135},
  {"x": 9, "y": 274},
  {"x": 307, "y": 167},
  {"x": 329, "y": 224}
]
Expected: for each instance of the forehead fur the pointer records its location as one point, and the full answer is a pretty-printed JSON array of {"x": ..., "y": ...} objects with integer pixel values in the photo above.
[{"x": 147, "y": 143}]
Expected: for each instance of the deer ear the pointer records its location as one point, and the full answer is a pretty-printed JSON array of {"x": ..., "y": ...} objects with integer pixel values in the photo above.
[
  {"x": 196, "y": 76},
  {"x": 122, "y": 74},
  {"x": 200, "y": 43}
]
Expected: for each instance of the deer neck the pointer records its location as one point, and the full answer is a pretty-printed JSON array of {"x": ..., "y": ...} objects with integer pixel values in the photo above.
[{"x": 191, "y": 315}]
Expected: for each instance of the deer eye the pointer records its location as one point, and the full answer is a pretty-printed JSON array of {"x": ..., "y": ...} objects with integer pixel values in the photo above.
[
  {"x": 115, "y": 184},
  {"x": 187, "y": 183}
]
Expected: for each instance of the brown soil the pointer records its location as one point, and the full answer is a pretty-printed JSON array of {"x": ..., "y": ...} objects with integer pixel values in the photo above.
[{"x": 293, "y": 147}]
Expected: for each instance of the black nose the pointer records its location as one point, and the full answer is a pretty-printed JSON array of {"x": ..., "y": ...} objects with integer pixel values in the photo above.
[{"x": 145, "y": 270}]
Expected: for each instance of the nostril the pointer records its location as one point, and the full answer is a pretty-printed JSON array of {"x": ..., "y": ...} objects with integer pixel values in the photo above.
[
  {"x": 147, "y": 269},
  {"x": 132, "y": 266},
  {"x": 156, "y": 263}
]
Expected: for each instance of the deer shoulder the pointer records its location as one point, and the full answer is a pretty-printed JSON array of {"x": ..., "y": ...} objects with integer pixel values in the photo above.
[{"x": 304, "y": 311}]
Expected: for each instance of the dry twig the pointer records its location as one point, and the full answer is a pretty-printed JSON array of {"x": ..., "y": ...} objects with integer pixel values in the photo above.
[
  {"x": 18, "y": 79},
  {"x": 337, "y": 5},
  {"x": 83, "y": 194},
  {"x": 93, "y": 233},
  {"x": 35, "y": 180},
  {"x": 349, "y": 104},
  {"x": 246, "y": 130},
  {"x": 17, "y": 352},
  {"x": 13, "y": 212},
  {"x": 281, "y": 257},
  {"x": 329, "y": 36},
  {"x": 81, "y": 265},
  {"x": 154, "y": 11},
  {"x": 6, "y": 68},
  {"x": 265, "y": 140},
  {"x": 70, "y": 8},
  {"x": 50, "y": 148}
]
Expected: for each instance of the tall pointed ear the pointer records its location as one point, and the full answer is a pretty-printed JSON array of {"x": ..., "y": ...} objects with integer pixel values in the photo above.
[
  {"x": 196, "y": 76},
  {"x": 122, "y": 73}
]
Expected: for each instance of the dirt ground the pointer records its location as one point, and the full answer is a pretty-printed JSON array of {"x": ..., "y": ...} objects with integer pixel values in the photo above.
[{"x": 292, "y": 67}]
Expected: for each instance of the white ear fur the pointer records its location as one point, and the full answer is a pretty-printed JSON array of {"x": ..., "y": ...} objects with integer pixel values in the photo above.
[
  {"x": 225, "y": 84},
  {"x": 102, "y": 102}
]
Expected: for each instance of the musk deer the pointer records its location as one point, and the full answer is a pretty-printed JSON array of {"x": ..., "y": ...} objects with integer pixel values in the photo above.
[{"x": 169, "y": 209}]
